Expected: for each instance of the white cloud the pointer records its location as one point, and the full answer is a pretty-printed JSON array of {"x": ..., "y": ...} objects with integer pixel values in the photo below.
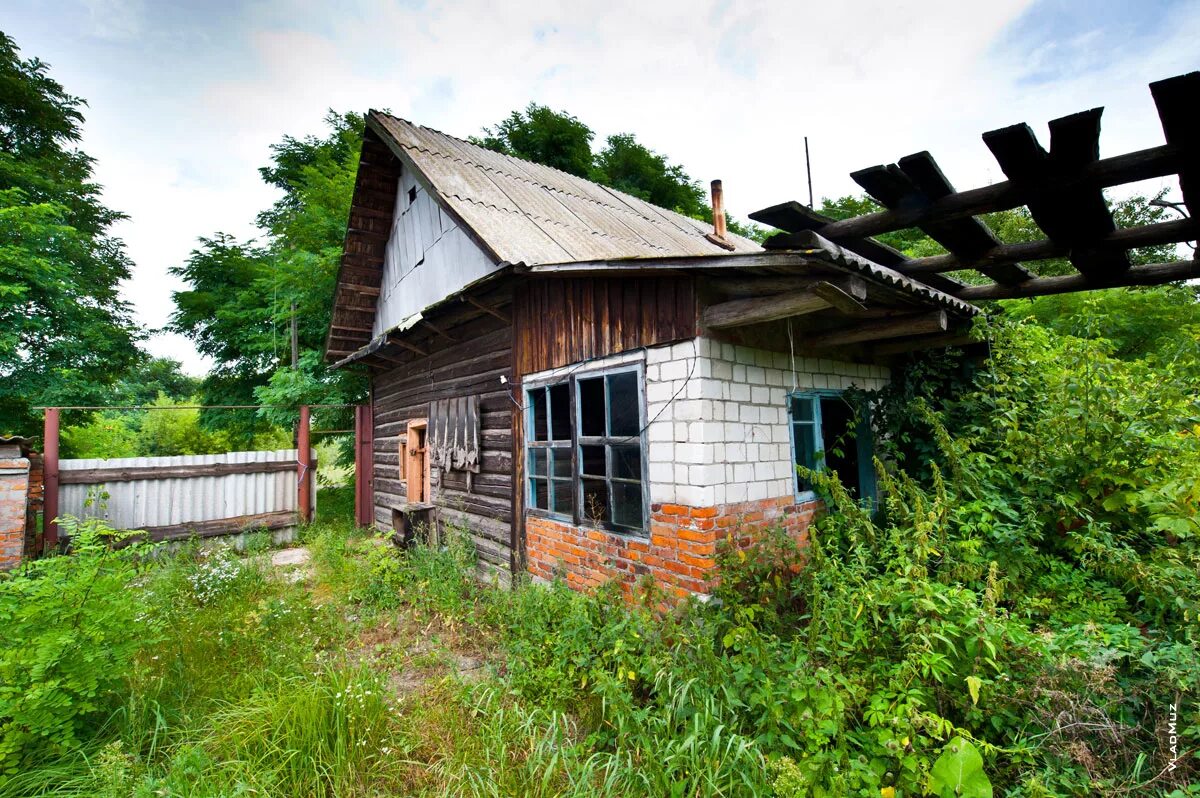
[{"x": 729, "y": 89}]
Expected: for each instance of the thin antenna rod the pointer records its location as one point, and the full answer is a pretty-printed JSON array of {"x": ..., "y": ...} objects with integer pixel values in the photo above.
[{"x": 808, "y": 168}]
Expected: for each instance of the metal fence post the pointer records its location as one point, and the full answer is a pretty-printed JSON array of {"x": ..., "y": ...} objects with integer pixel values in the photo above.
[
  {"x": 304, "y": 467},
  {"x": 50, "y": 480},
  {"x": 364, "y": 439}
]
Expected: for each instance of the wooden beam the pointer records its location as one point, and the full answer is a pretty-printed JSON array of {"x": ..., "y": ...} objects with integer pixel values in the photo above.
[
  {"x": 1172, "y": 232},
  {"x": 1128, "y": 168},
  {"x": 487, "y": 309},
  {"x": 915, "y": 324},
  {"x": 358, "y": 288},
  {"x": 97, "y": 476},
  {"x": 936, "y": 341},
  {"x": 406, "y": 345},
  {"x": 439, "y": 331},
  {"x": 755, "y": 310},
  {"x": 1075, "y": 216},
  {"x": 749, "y": 285},
  {"x": 1149, "y": 274},
  {"x": 800, "y": 221},
  {"x": 1176, "y": 100},
  {"x": 349, "y": 328},
  {"x": 214, "y": 528},
  {"x": 847, "y": 297}
]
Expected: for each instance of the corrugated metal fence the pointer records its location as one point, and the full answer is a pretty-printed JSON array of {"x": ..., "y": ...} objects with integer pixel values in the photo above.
[{"x": 178, "y": 497}]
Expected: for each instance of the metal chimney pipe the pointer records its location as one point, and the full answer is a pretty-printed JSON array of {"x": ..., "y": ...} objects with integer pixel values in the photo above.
[{"x": 718, "y": 209}]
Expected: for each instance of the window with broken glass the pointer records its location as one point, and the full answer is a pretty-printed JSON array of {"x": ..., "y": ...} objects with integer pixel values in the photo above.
[
  {"x": 584, "y": 444},
  {"x": 829, "y": 433}
]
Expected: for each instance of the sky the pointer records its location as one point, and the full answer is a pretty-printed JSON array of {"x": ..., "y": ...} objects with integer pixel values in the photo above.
[{"x": 185, "y": 99}]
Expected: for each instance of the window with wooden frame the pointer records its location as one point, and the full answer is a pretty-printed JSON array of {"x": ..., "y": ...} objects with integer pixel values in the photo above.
[
  {"x": 828, "y": 432},
  {"x": 585, "y": 443}
]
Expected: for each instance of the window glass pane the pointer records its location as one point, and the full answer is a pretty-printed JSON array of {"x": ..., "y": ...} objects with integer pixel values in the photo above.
[
  {"x": 595, "y": 501},
  {"x": 627, "y": 505},
  {"x": 624, "y": 418},
  {"x": 560, "y": 460},
  {"x": 802, "y": 408},
  {"x": 627, "y": 462},
  {"x": 537, "y": 462},
  {"x": 560, "y": 412},
  {"x": 806, "y": 451},
  {"x": 537, "y": 404},
  {"x": 564, "y": 496},
  {"x": 591, "y": 406},
  {"x": 591, "y": 460},
  {"x": 540, "y": 499}
]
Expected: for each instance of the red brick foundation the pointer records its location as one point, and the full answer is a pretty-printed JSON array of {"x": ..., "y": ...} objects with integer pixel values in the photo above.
[{"x": 679, "y": 554}]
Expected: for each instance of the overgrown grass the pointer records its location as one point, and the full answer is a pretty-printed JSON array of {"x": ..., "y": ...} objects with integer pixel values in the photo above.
[{"x": 992, "y": 631}]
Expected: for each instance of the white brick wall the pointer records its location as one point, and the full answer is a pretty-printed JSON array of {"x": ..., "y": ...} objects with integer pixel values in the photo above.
[
  {"x": 718, "y": 431},
  {"x": 728, "y": 423}
]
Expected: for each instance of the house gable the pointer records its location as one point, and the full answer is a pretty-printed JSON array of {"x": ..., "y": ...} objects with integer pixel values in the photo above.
[{"x": 428, "y": 256}]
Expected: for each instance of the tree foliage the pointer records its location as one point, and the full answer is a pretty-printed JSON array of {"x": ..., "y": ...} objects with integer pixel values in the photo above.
[
  {"x": 243, "y": 295},
  {"x": 65, "y": 333}
]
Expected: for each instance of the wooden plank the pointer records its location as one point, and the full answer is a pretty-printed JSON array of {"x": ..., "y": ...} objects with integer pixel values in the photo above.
[
  {"x": 967, "y": 238},
  {"x": 215, "y": 528},
  {"x": 914, "y": 324},
  {"x": 1149, "y": 274},
  {"x": 1074, "y": 216},
  {"x": 99, "y": 476},
  {"x": 1176, "y": 100}
]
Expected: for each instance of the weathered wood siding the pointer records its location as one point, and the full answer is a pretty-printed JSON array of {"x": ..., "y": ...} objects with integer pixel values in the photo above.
[
  {"x": 560, "y": 321},
  {"x": 428, "y": 256},
  {"x": 470, "y": 367}
]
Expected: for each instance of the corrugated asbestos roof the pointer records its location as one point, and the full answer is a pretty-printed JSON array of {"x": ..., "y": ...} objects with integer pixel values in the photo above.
[
  {"x": 533, "y": 214},
  {"x": 832, "y": 253}
]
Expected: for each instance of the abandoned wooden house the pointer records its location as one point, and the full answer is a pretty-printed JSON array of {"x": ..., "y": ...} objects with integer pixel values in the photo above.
[{"x": 597, "y": 388}]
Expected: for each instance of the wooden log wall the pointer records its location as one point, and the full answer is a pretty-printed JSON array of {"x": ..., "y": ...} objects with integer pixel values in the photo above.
[{"x": 471, "y": 366}]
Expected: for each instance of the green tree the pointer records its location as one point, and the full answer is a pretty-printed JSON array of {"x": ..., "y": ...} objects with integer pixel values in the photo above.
[
  {"x": 243, "y": 296},
  {"x": 629, "y": 166},
  {"x": 65, "y": 334},
  {"x": 543, "y": 135},
  {"x": 154, "y": 376}
]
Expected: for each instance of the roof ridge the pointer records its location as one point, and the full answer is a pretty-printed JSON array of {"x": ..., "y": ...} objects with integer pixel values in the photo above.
[{"x": 568, "y": 175}]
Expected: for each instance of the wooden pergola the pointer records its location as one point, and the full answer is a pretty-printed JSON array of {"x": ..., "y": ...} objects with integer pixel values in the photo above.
[{"x": 1062, "y": 188}]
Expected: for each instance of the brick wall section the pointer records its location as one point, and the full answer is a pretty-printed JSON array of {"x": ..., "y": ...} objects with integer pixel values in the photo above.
[
  {"x": 14, "y": 487},
  {"x": 720, "y": 434},
  {"x": 679, "y": 553},
  {"x": 719, "y": 462}
]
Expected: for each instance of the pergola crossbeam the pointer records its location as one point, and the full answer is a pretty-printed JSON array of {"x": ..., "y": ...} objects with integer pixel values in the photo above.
[{"x": 1063, "y": 189}]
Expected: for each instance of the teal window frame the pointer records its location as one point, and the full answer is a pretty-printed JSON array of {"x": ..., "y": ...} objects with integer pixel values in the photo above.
[{"x": 814, "y": 426}]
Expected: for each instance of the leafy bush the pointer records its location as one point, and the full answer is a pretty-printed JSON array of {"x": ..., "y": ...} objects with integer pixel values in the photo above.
[{"x": 72, "y": 628}]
